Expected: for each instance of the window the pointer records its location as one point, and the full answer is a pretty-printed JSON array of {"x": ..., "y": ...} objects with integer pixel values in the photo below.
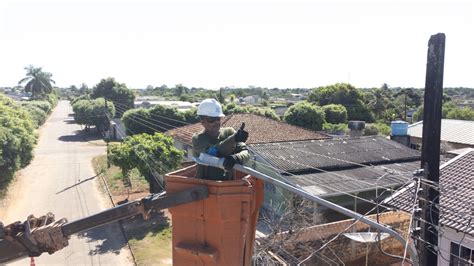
[{"x": 461, "y": 255}]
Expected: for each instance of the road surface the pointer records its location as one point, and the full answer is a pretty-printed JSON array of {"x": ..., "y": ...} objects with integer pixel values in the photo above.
[{"x": 61, "y": 180}]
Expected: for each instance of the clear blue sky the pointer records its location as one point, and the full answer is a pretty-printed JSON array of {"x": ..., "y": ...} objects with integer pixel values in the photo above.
[{"x": 246, "y": 43}]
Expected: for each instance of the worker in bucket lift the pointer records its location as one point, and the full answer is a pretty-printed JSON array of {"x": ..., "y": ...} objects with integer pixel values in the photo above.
[{"x": 220, "y": 142}]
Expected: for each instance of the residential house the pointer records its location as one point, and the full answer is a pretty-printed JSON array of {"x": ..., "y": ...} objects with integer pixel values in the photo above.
[
  {"x": 261, "y": 130},
  {"x": 336, "y": 169},
  {"x": 456, "y": 134},
  {"x": 117, "y": 129},
  {"x": 456, "y": 201},
  {"x": 280, "y": 110},
  {"x": 252, "y": 99}
]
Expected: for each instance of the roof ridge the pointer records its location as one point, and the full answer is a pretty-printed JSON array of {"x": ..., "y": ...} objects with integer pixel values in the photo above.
[{"x": 469, "y": 150}]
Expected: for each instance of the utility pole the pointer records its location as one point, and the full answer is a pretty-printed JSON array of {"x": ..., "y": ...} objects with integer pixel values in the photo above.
[
  {"x": 405, "y": 107},
  {"x": 430, "y": 150}
]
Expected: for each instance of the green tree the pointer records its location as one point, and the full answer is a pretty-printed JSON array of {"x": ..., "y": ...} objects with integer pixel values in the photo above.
[
  {"x": 221, "y": 97},
  {"x": 17, "y": 138},
  {"x": 418, "y": 114},
  {"x": 180, "y": 90},
  {"x": 93, "y": 113},
  {"x": 450, "y": 111},
  {"x": 335, "y": 113},
  {"x": 137, "y": 121},
  {"x": 191, "y": 116},
  {"x": 465, "y": 113},
  {"x": 38, "y": 82},
  {"x": 377, "y": 100},
  {"x": 344, "y": 94},
  {"x": 335, "y": 128},
  {"x": 152, "y": 155},
  {"x": 38, "y": 115},
  {"x": 306, "y": 115},
  {"x": 117, "y": 92},
  {"x": 371, "y": 130},
  {"x": 157, "y": 119},
  {"x": 377, "y": 129},
  {"x": 84, "y": 89}
]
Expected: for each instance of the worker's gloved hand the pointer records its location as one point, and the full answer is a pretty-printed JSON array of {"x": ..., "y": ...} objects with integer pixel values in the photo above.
[
  {"x": 229, "y": 162},
  {"x": 241, "y": 135}
]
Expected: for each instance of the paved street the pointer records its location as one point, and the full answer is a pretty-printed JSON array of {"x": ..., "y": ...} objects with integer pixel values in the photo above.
[{"x": 61, "y": 180}]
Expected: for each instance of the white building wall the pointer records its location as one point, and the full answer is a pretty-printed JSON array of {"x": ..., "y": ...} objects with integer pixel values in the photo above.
[{"x": 444, "y": 243}]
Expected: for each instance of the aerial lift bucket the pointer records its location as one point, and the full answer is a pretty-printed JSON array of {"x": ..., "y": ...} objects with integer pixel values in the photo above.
[{"x": 219, "y": 230}]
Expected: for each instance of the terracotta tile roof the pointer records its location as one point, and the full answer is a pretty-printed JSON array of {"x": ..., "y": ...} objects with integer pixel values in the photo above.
[
  {"x": 456, "y": 196},
  {"x": 261, "y": 130}
]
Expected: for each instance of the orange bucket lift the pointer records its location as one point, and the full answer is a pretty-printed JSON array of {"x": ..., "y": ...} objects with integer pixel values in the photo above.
[{"x": 218, "y": 230}]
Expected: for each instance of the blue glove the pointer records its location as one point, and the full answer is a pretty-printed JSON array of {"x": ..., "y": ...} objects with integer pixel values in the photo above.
[{"x": 212, "y": 151}]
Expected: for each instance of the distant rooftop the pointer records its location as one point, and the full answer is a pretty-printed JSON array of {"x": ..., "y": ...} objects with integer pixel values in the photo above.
[{"x": 455, "y": 131}]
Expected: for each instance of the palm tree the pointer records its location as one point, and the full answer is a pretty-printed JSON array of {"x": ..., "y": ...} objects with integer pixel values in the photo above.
[{"x": 37, "y": 82}]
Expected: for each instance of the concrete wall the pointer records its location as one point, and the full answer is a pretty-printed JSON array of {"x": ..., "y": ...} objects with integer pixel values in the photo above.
[
  {"x": 444, "y": 243},
  {"x": 302, "y": 243}
]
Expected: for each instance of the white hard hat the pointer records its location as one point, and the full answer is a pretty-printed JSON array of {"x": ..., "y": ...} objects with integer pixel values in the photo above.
[{"x": 210, "y": 107}]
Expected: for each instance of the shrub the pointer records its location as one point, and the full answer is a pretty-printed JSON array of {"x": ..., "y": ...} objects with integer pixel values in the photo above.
[
  {"x": 17, "y": 138},
  {"x": 335, "y": 113},
  {"x": 371, "y": 130},
  {"x": 335, "y": 128},
  {"x": 43, "y": 105},
  {"x": 38, "y": 116},
  {"x": 91, "y": 112},
  {"x": 305, "y": 115}
]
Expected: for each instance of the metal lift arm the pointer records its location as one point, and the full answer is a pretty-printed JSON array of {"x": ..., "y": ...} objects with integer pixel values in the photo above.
[{"x": 38, "y": 235}]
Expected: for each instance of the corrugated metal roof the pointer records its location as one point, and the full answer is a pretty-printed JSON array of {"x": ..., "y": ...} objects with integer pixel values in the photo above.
[
  {"x": 456, "y": 194},
  {"x": 326, "y": 184},
  {"x": 261, "y": 130},
  {"x": 456, "y": 131},
  {"x": 333, "y": 154}
]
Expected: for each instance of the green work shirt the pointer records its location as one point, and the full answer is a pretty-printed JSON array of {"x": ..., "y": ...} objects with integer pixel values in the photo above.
[{"x": 225, "y": 145}]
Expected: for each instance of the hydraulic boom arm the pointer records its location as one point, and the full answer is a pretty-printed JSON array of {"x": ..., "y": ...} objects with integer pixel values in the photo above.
[{"x": 43, "y": 234}]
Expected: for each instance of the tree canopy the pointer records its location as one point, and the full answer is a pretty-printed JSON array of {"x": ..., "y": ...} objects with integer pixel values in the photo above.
[
  {"x": 346, "y": 95},
  {"x": 117, "y": 92},
  {"x": 17, "y": 138},
  {"x": 449, "y": 111},
  {"x": 157, "y": 119},
  {"x": 152, "y": 155},
  {"x": 38, "y": 82},
  {"x": 93, "y": 113},
  {"x": 335, "y": 113},
  {"x": 305, "y": 114}
]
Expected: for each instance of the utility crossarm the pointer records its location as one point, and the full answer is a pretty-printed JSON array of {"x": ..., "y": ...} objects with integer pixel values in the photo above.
[
  {"x": 38, "y": 235},
  {"x": 207, "y": 159}
]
